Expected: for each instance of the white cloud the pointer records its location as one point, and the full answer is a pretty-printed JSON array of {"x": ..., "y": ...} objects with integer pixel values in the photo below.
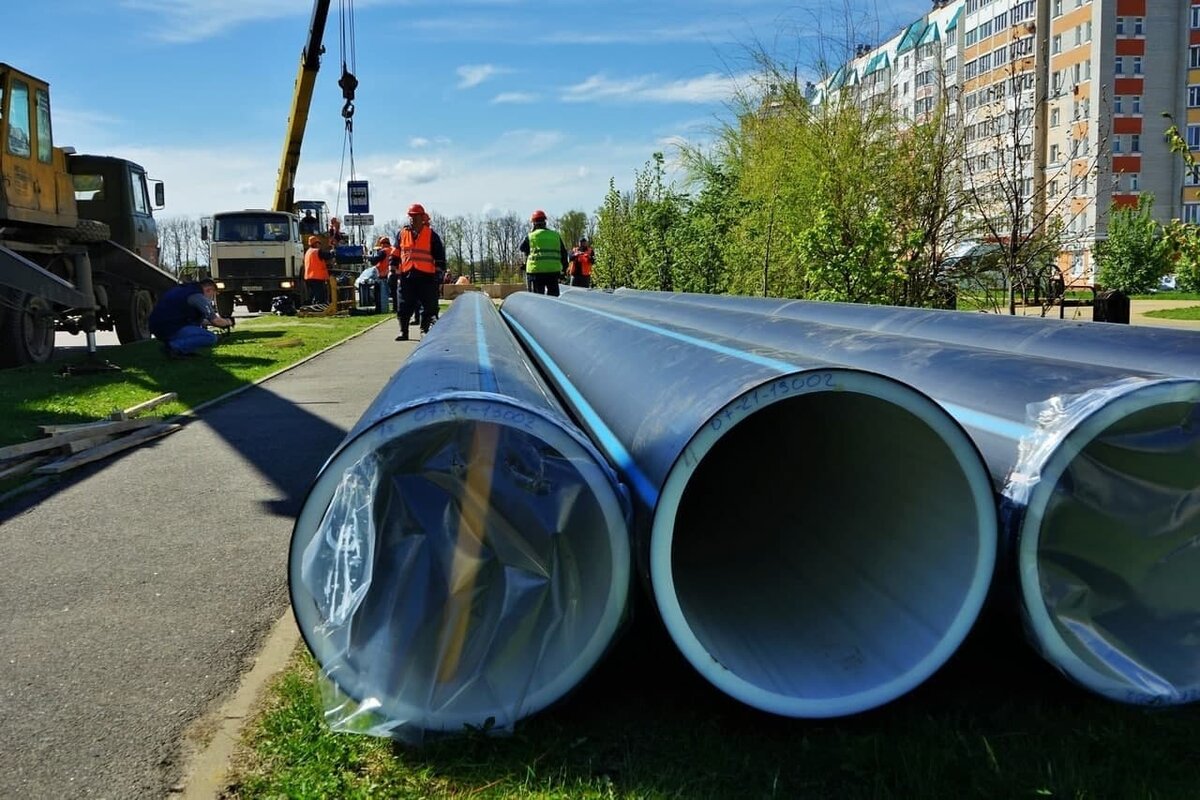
[
  {"x": 708, "y": 88},
  {"x": 417, "y": 142},
  {"x": 471, "y": 75},
  {"x": 179, "y": 21},
  {"x": 415, "y": 171},
  {"x": 514, "y": 97}
]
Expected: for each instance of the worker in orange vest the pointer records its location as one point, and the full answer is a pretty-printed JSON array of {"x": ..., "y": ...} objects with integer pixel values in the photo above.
[
  {"x": 581, "y": 260},
  {"x": 316, "y": 271},
  {"x": 421, "y": 258}
]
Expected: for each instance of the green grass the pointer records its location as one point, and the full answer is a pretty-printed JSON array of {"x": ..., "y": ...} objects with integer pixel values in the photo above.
[
  {"x": 38, "y": 395},
  {"x": 1189, "y": 312},
  {"x": 995, "y": 723},
  {"x": 1167, "y": 296}
]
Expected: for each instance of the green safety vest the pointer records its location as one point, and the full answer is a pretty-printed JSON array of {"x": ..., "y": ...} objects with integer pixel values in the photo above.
[{"x": 545, "y": 251}]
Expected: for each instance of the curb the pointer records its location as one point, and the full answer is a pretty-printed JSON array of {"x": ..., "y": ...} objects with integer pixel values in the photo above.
[
  {"x": 205, "y": 770},
  {"x": 186, "y": 416}
]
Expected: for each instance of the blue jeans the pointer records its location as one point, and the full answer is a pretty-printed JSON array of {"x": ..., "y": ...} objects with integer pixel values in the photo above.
[{"x": 191, "y": 338}]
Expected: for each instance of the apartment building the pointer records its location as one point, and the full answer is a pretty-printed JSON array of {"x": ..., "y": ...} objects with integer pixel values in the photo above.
[{"x": 1062, "y": 97}]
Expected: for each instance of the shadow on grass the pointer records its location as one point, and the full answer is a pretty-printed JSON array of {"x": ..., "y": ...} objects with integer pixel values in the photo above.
[
  {"x": 996, "y": 721},
  {"x": 282, "y": 440}
]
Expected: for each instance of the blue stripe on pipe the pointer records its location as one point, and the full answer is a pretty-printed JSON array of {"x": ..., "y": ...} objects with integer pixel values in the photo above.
[
  {"x": 986, "y": 422},
  {"x": 770, "y": 363},
  {"x": 487, "y": 377},
  {"x": 965, "y": 416},
  {"x": 605, "y": 438}
]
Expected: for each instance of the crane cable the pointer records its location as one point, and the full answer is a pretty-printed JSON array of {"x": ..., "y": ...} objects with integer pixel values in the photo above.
[{"x": 348, "y": 83}]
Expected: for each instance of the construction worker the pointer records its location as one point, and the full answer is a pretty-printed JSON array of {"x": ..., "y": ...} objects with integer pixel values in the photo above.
[
  {"x": 380, "y": 259},
  {"x": 336, "y": 235},
  {"x": 316, "y": 271},
  {"x": 545, "y": 256},
  {"x": 181, "y": 314},
  {"x": 421, "y": 259},
  {"x": 309, "y": 224},
  {"x": 582, "y": 258}
]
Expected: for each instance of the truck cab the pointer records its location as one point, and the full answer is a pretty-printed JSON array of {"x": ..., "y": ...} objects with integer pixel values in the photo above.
[{"x": 255, "y": 255}]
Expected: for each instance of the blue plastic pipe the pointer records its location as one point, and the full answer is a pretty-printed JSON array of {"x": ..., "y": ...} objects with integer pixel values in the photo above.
[
  {"x": 1098, "y": 469},
  {"x": 819, "y": 540},
  {"x": 1140, "y": 347},
  {"x": 463, "y": 557}
]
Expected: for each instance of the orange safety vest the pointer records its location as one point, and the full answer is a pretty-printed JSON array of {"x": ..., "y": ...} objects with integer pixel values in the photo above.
[
  {"x": 584, "y": 259},
  {"x": 315, "y": 268},
  {"x": 417, "y": 254}
]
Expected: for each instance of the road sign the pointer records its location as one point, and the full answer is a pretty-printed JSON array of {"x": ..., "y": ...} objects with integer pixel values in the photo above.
[
  {"x": 357, "y": 197},
  {"x": 358, "y": 219}
]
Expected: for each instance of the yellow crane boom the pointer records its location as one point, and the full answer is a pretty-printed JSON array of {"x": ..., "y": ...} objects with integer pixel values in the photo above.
[{"x": 306, "y": 78}]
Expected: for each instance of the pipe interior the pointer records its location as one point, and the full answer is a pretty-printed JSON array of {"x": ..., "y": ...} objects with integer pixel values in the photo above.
[
  {"x": 531, "y": 582},
  {"x": 825, "y": 545},
  {"x": 1118, "y": 554}
]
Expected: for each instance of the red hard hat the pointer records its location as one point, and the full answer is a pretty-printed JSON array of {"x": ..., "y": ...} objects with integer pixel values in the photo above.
[
  {"x": 538, "y": 216},
  {"x": 416, "y": 210}
]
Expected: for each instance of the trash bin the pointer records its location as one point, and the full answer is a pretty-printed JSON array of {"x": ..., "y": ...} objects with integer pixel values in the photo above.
[{"x": 1111, "y": 306}]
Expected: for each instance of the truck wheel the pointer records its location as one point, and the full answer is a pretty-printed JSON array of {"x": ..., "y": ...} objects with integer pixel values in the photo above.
[
  {"x": 133, "y": 322},
  {"x": 90, "y": 230},
  {"x": 26, "y": 330},
  {"x": 225, "y": 305}
]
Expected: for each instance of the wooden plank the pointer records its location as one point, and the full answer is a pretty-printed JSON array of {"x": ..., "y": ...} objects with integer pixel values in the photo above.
[
  {"x": 72, "y": 448},
  {"x": 24, "y": 467},
  {"x": 133, "y": 411},
  {"x": 50, "y": 430},
  {"x": 59, "y": 439},
  {"x": 103, "y": 451}
]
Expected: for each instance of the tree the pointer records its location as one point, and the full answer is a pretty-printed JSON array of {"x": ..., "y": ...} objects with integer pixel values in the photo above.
[
  {"x": 1136, "y": 253},
  {"x": 1184, "y": 237},
  {"x": 572, "y": 225}
]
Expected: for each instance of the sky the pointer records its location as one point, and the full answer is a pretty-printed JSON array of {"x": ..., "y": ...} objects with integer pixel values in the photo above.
[{"x": 470, "y": 107}]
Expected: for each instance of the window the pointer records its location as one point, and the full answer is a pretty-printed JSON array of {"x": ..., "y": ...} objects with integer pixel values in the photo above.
[
  {"x": 1194, "y": 57},
  {"x": 1118, "y": 104},
  {"x": 1087, "y": 70},
  {"x": 1135, "y": 181},
  {"x": 1194, "y": 95},
  {"x": 1135, "y": 142},
  {"x": 951, "y": 64},
  {"x": 1120, "y": 26},
  {"x": 1191, "y": 212},
  {"x": 1137, "y": 65},
  {"x": 1078, "y": 36},
  {"x": 1087, "y": 31},
  {"x": 1193, "y": 136},
  {"x": 1137, "y": 104},
  {"x": 906, "y": 62},
  {"x": 1192, "y": 176},
  {"x": 1057, "y": 8},
  {"x": 137, "y": 185},
  {"x": 1054, "y": 117},
  {"x": 18, "y": 122},
  {"x": 1077, "y": 265},
  {"x": 1053, "y": 188},
  {"x": 985, "y": 29},
  {"x": 45, "y": 149},
  {"x": 1000, "y": 55},
  {"x": 1053, "y": 154},
  {"x": 972, "y": 36},
  {"x": 1056, "y": 44},
  {"x": 1077, "y": 73},
  {"x": 1196, "y": 16},
  {"x": 1116, "y": 144},
  {"x": 1119, "y": 64},
  {"x": 1139, "y": 26}
]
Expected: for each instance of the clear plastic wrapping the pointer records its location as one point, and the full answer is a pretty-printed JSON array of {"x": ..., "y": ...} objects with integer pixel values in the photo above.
[
  {"x": 1106, "y": 503},
  {"x": 462, "y": 563}
]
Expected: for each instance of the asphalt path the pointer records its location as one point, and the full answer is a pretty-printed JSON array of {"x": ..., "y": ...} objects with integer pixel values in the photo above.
[{"x": 133, "y": 597}]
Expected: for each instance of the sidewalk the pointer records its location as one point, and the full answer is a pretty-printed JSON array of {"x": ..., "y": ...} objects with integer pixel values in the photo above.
[{"x": 138, "y": 594}]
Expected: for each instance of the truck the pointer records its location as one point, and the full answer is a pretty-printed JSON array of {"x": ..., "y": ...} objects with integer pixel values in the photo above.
[
  {"x": 258, "y": 254},
  {"x": 78, "y": 241}
]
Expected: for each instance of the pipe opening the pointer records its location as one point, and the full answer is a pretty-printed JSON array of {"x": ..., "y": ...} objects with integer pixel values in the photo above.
[
  {"x": 831, "y": 550},
  {"x": 1110, "y": 550},
  {"x": 495, "y": 572}
]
